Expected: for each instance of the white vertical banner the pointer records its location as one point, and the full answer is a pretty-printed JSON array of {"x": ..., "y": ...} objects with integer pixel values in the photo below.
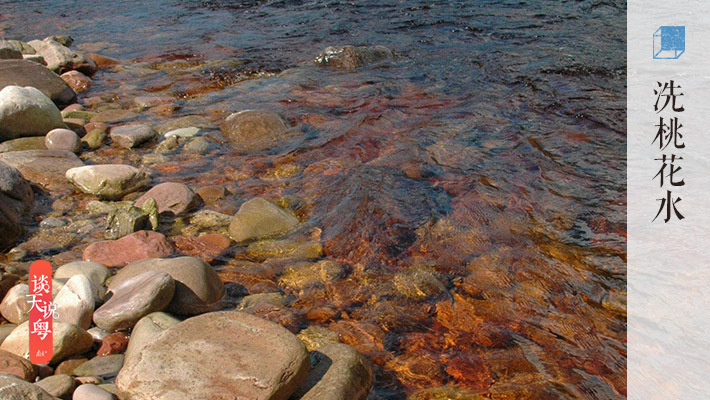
[{"x": 668, "y": 148}]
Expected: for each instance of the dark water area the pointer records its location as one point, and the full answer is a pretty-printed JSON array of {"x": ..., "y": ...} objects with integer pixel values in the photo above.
[{"x": 475, "y": 186}]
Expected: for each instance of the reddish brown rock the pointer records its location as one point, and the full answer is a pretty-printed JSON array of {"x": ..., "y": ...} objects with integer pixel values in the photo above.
[
  {"x": 170, "y": 197},
  {"x": 115, "y": 343},
  {"x": 77, "y": 81},
  {"x": 96, "y": 126},
  {"x": 136, "y": 246},
  {"x": 207, "y": 247},
  {"x": 18, "y": 366},
  {"x": 46, "y": 168},
  {"x": 102, "y": 62},
  {"x": 212, "y": 193}
]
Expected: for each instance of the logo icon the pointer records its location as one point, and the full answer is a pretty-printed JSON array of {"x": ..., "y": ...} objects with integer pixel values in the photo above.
[{"x": 668, "y": 42}]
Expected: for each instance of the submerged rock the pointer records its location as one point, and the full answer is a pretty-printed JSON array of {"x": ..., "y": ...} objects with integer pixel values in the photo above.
[
  {"x": 77, "y": 81},
  {"x": 217, "y": 355},
  {"x": 351, "y": 57},
  {"x": 170, "y": 197},
  {"x": 26, "y": 111},
  {"x": 259, "y": 218},
  {"x": 253, "y": 130},
  {"x": 129, "y": 136},
  {"x": 108, "y": 181}
]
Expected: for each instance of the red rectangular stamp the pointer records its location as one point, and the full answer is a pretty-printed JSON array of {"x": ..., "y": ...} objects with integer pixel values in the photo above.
[{"x": 41, "y": 313}]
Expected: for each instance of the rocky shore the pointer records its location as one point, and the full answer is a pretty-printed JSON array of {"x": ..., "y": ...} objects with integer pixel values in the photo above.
[{"x": 142, "y": 314}]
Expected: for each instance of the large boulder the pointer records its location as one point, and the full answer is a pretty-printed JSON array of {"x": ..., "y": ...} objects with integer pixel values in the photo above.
[
  {"x": 28, "y": 73},
  {"x": 108, "y": 181},
  {"x": 16, "y": 197},
  {"x": 256, "y": 130},
  {"x": 197, "y": 285},
  {"x": 25, "y": 111},
  {"x": 259, "y": 218},
  {"x": 221, "y": 355},
  {"x": 46, "y": 168},
  {"x": 351, "y": 57}
]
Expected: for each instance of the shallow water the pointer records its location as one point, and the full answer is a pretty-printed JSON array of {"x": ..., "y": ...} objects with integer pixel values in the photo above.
[{"x": 488, "y": 157}]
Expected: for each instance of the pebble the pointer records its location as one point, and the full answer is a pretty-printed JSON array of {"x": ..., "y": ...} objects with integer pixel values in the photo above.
[
  {"x": 114, "y": 343},
  {"x": 108, "y": 181},
  {"x": 130, "y": 136},
  {"x": 52, "y": 222},
  {"x": 75, "y": 302},
  {"x": 170, "y": 197},
  {"x": 183, "y": 132},
  {"x": 61, "y": 386},
  {"x": 77, "y": 81},
  {"x": 90, "y": 391},
  {"x": 62, "y": 139}
]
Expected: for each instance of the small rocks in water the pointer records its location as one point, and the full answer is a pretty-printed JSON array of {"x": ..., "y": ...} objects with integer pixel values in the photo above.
[
  {"x": 133, "y": 247},
  {"x": 108, "y": 181},
  {"x": 254, "y": 130},
  {"x": 170, "y": 197},
  {"x": 187, "y": 121},
  {"x": 102, "y": 366},
  {"x": 14, "y": 388},
  {"x": 267, "y": 249},
  {"x": 62, "y": 139},
  {"x": 339, "y": 372},
  {"x": 77, "y": 81},
  {"x": 419, "y": 283},
  {"x": 115, "y": 343},
  {"x": 259, "y": 218},
  {"x": 112, "y": 116},
  {"x": 75, "y": 301},
  {"x": 61, "y": 386},
  {"x": 18, "y": 366},
  {"x": 28, "y": 73},
  {"x": 152, "y": 101},
  {"x": 16, "y": 197},
  {"x": 14, "y": 306},
  {"x": 133, "y": 299},
  {"x": 315, "y": 337},
  {"x": 146, "y": 330},
  {"x": 183, "y": 132},
  {"x": 302, "y": 275},
  {"x": 68, "y": 340},
  {"x": 46, "y": 168},
  {"x": 122, "y": 221},
  {"x": 94, "y": 139},
  {"x": 129, "y": 136},
  {"x": 197, "y": 360},
  {"x": 207, "y": 247},
  {"x": 197, "y": 285},
  {"x": 90, "y": 391},
  {"x": 102, "y": 62},
  {"x": 52, "y": 222},
  {"x": 198, "y": 145},
  {"x": 351, "y": 57},
  {"x": 26, "y": 111}
]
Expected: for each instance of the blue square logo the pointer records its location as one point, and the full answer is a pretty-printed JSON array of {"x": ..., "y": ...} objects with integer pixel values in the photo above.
[{"x": 668, "y": 42}]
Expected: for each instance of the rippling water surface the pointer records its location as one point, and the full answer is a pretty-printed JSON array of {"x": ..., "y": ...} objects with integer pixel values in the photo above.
[{"x": 474, "y": 186}]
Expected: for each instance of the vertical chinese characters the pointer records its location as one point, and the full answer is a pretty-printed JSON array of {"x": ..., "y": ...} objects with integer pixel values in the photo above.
[{"x": 670, "y": 141}]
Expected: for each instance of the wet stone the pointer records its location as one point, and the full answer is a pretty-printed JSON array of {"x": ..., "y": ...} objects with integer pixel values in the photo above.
[
  {"x": 170, "y": 197},
  {"x": 47, "y": 168},
  {"x": 26, "y": 143},
  {"x": 339, "y": 372},
  {"x": 108, "y": 181},
  {"x": 133, "y": 247},
  {"x": 77, "y": 81},
  {"x": 62, "y": 139},
  {"x": 129, "y": 136},
  {"x": 258, "y": 219}
]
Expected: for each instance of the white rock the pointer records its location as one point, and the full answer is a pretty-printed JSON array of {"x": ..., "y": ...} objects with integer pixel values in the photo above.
[
  {"x": 75, "y": 302},
  {"x": 183, "y": 132},
  {"x": 25, "y": 111},
  {"x": 96, "y": 273}
]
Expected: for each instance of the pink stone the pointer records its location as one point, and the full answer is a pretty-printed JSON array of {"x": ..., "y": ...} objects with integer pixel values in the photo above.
[
  {"x": 136, "y": 246},
  {"x": 76, "y": 80},
  {"x": 172, "y": 197}
]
